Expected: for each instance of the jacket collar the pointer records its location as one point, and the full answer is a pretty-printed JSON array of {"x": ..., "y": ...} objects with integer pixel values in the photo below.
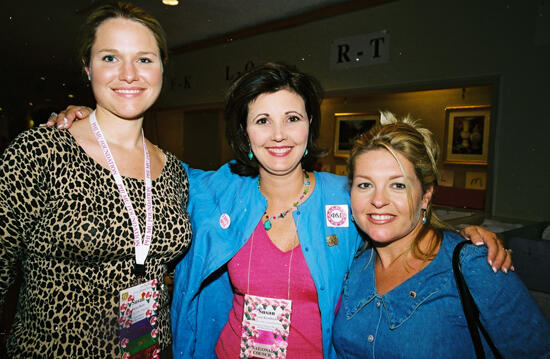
[{"x": 401, "y": 302}]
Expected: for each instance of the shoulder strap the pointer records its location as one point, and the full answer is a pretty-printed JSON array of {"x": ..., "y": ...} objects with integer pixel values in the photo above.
[{"x": 470, "y": 308}]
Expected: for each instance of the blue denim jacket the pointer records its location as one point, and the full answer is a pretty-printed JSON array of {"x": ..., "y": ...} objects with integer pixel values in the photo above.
[
  {"x": 423, "y": 317},
  {"x": 203, "y": 296}
]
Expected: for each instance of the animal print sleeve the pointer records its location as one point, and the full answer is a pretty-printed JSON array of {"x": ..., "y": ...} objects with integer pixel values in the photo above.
[{"x": 21, "y": 168}]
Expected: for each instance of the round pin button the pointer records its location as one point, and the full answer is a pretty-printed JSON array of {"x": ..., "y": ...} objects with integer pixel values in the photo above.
[{"x": 225, "y": 221}]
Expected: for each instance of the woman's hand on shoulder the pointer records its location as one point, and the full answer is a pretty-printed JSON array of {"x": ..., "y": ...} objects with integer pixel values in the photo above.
[
  {"x": 65, "y": 118},
  {"x": 498, "y": 257}
]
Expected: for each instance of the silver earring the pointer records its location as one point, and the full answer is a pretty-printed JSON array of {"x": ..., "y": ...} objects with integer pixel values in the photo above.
[{"x": 424, "y": 219}]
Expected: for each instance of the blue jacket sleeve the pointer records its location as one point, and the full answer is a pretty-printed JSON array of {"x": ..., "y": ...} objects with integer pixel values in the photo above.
[
  {"x": 202, "y": 295},
  {"x": 512, "y": 318}
]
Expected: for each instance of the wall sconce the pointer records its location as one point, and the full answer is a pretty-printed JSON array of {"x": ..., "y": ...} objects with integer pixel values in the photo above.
[{"x": 170, "y": 2}]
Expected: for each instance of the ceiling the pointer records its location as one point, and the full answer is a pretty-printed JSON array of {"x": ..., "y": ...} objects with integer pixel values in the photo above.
[{"x": 38, "y": 39}]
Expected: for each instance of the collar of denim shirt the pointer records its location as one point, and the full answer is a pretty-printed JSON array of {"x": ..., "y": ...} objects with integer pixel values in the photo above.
[{"x": 401, "y": 302}]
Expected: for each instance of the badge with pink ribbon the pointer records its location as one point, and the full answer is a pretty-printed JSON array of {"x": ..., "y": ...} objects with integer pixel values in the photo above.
[{"x": 265, "y": 327}]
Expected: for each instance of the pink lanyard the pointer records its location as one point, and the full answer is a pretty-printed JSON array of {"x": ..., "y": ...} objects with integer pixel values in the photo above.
[
  {"x": 141, "y": 245},
  {"x": 250, "y": 262}
]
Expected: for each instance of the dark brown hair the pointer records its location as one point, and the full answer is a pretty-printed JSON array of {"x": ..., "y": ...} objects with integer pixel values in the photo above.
[{"x": 269, "y": 78}]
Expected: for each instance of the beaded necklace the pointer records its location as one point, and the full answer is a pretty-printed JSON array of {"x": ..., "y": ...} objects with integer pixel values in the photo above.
[{"x": 268, "y": 219}]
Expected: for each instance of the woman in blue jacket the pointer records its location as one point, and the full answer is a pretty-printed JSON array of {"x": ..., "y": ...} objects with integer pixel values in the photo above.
[
  {"x": 400, "y": 298},
  {"x": 266, "y": 227}
]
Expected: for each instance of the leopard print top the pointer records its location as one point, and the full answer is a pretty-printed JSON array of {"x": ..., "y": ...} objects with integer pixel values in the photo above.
[{"x": 63, "y": 221}]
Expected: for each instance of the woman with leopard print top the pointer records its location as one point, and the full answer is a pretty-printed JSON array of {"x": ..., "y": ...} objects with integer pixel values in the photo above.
[{"x": 95, "y": 215}]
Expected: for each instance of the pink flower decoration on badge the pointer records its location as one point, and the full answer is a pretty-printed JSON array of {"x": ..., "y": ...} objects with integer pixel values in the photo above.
[
  {"x": 121, "y": 320},
  {"x": 128, "y": 312},
  {"x": 154, "y": 333},
  {"x": 126, "y": 355},
  {"x": 123, "y": 307},
  {"x": 155, "y": 305},
  {"x": 128, "y": 323},
  {"x": 153, "y": 320},
  {"x": 154, "y": 283},
  {"x": 148, "y": 313},
  {"x": 285, "y": 334},
  {"x": 156, "y": 353},
  {"x": 124, "y": 342},
  {"x": 155, "y": 294},
  {"x": 148, "y": 295},
  {"x": 130, "y": 298}
]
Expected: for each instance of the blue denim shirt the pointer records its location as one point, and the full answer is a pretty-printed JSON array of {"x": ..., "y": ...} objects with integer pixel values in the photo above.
[{"x": 423, "y": 317}]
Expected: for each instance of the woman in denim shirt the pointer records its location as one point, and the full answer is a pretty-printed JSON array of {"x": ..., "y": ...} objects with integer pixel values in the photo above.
[{"x": 400, "y": 298}]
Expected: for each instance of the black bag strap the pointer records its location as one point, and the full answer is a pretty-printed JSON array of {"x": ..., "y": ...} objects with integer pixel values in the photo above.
[{"x": 470, "y": 308}]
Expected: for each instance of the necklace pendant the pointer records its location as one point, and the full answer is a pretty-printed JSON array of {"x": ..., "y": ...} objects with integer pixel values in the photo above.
[{"x": 267, "y": 225}]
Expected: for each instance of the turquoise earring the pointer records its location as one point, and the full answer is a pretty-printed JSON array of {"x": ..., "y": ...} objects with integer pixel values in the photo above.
[
  {"x": 250, "y": 155},
  {"x": 305, "y": 153},
  {"x": 424, "y": 219}
]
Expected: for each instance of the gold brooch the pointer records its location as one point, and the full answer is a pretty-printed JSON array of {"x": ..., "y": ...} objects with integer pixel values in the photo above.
[{"x": 332, "y": 240}]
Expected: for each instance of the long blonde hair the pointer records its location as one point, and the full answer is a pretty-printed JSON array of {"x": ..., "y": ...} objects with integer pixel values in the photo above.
[{"x": 418, "y": 145}]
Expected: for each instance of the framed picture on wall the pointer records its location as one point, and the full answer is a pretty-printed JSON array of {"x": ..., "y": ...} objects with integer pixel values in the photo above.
[
  {"x": 348, "y": 127},
  {"x": 467, "y": 134}
]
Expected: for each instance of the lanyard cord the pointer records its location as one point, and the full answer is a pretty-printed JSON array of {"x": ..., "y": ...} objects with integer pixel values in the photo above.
[
  {"x": 289, "y": 264},
  {"x": 141, "y": 245}
]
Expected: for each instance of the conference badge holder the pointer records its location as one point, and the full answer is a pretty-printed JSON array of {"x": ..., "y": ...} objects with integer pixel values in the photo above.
[
  {"x": 137, "y": 321},
  {"x": 265, "y": 327}
]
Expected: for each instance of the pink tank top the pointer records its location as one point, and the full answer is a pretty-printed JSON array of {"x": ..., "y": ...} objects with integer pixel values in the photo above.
[{"x": 269, "y": 278}]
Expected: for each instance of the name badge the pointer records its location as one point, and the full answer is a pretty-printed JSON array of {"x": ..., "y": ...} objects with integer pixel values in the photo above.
[
  {"x": 137, "y": 321},
  {"x": 337, "y": 215},
  {"x": 265, "y": 327}
]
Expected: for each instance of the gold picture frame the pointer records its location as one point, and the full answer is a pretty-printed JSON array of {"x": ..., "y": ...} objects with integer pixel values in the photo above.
[
  {"x": 467, "y": 134},
  {"x": 348, "y": 126}
]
